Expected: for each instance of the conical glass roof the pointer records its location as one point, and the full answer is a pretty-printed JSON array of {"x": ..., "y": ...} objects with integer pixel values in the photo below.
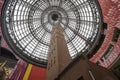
[{"x": 27, "y": 26}]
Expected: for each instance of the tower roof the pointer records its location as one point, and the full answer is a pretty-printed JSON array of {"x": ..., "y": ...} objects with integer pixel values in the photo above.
[{"x": 27, "y": 26}]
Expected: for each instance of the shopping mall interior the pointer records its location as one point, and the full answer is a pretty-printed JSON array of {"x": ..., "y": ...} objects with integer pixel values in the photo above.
[{"x": 59, "y": 39}]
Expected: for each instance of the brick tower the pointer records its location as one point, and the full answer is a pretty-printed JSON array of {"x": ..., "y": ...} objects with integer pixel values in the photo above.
[{"x": 58, "y": 56}]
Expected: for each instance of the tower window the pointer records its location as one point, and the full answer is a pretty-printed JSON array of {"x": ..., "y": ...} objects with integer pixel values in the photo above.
[
  {"x": 48, "y": 66},
  {"x": 116, "y": 35},
  {"x": 81, "y": 78},
  {"x": 98, "y": 63},
  {"x": 107, "y": 53},
  {"x": 54, "y": 60},
  {"x": 51, "y": 63}
]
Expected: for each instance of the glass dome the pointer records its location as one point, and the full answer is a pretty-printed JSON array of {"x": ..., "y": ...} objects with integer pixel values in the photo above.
[{"x": 27, "y": 26}]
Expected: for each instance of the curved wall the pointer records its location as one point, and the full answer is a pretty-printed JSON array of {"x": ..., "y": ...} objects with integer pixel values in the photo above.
[{"x": 111, "y": 16}]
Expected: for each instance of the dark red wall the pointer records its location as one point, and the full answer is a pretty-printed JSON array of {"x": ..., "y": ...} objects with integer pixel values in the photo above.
[{"x": 37, "y": 73}]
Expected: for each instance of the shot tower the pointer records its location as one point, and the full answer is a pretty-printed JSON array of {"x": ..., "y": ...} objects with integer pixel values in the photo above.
[{"x": 58, "y": 56}]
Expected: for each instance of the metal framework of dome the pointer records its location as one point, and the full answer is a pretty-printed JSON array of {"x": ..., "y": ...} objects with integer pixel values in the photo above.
[{"x": 27, "y": 26}]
